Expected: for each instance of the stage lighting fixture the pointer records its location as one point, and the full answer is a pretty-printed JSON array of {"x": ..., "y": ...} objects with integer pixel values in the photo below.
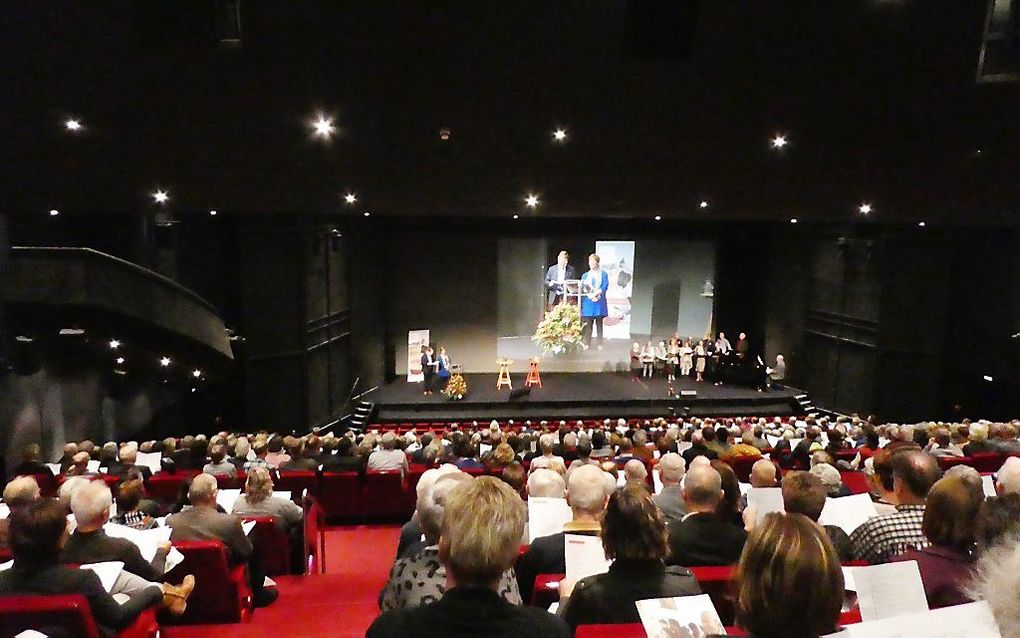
[
  {"x": 560, "y": 135},
  {"x": 114, "y": 344},
  {"x": 864, "y": 209},
  {"x": 322, "y": 126},
  {"x": 350, "y": 198},
  {"x": 160, "y": 196},
  {"x": 72, "y": 124},
  {"x": 165, "y": 361},
  {"x": 531, "y": 200},
  {"x": 779, "y": 141}
]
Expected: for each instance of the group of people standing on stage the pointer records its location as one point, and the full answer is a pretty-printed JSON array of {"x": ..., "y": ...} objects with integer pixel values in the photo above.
[
  {"x": 435, "y": 366},
  {"x": 704, "y": 357}
]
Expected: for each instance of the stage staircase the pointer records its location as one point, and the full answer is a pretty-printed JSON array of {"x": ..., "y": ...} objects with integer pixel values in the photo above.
[
  {"x": 804, "y": 402},
  {"x": 362, "y": 416}
]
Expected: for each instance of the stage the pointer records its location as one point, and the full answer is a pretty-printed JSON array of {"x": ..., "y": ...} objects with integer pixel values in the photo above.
[{"x": 578, "y": 395}]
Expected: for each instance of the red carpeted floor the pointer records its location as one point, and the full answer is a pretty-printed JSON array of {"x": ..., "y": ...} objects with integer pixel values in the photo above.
[{"x": 341, "y": 603}]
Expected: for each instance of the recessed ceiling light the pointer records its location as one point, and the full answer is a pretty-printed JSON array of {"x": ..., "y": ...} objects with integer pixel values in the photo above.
[
  {"x": 793, "y": 220},
  {"x": 322, "y": 126},
  {"x": 350, "y": 198},
  {"x": 531, "y": 200},
  {"x": 658, "y": 218},
  {"x": 196, "y": 373},
  {"x": 988, "y": 378},
  {"x": 864, "y": 209},
  {"x": 704, "y": 203},
  {"x": 214, "y": 212},
  {"x": 560, "y": 135},
  {"x": 54, "y": 212},
  {"x": 72, "y": 124},
  {"x": 921, "y": 224},
  {"x": 516, "y": 216},
  {"x": 445, "y": 133},
  {"x": 114, "y": 344},
  {"x": 779, "y": 141},
  {"x": 120, "y": 360},
  {"x": 160, "y": 196},
  {"x": 165, "y": 361},
  {"x": 368, "y": 214}
]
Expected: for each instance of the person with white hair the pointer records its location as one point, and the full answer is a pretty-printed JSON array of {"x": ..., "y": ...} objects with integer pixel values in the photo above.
[
  {"x": 388, "y": 457},
  {"x": 978, "y": 437},
  {"x": 830, "y": 478},
  {"x": 420, "y": 579},
  {"x": 90, "y": 544},
  {"x": 997, "y": 581},
  {"x": 672, "y": 468},
  {"x": 703, "y": 537},
  {"x": 635, "y": 470},
  {"x": 1007, "y": 479},
  {"x": 68, "y": 488},
  {"x": 411, "y": 533},
  {"x": 546, "y": 484},
  {"x": 587, "y": 493},
  {"x": 19, "y": 492}
]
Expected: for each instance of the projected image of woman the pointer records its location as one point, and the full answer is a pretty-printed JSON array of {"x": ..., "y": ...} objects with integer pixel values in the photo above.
[{"x": 594, "y": 308}]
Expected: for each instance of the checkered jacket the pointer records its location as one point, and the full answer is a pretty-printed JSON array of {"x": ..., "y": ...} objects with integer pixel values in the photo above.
[{"x": 882, "y": 537}]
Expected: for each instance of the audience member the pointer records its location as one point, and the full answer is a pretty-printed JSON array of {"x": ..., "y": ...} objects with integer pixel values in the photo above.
[
  {"x": 804, "y": 493},
  {"x": 129, "y": 512},
  {"x": 670, "y": 500},
  {"x": 546, "y": 484},
  {"x": 998, "y": 518},
  {"x": 698, "y": 447},
  {"x": 218, "y": 464},
  {"x": 388, "y": 458},
  {"x": 997, "y": 582},
  {"x": 880, "y": 538},
  {"x": 483, "y": 522},
  {"x": 785, "y": 556},
  {"x": 730, "y": 506},
  {"x": 763, "y": 474},
  {"x": 1007, "y": 479},
  {"x": 17, "y": 494},
  {"x": 635, "y": 470},
  {"x": 31, "y": 462},
  {"x": 703, "y": 537},
  {"x": 949, "y": 518},
  {"x": 258, "y": 500},
  {"x": 634, "y": 537},
  {"x": 586, "y": 495}
]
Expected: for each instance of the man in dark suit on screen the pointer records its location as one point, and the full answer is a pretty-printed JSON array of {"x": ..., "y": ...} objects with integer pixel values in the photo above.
[{"x": 554, "y": 277}]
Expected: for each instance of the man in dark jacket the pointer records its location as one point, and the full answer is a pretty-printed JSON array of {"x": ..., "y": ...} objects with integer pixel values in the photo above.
[{"x": 702, "y": 537}]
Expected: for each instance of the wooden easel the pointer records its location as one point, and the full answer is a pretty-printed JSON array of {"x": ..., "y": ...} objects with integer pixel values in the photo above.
[
  {"x": 504, "y": 374},
  {"x": 534, "y": 376}
]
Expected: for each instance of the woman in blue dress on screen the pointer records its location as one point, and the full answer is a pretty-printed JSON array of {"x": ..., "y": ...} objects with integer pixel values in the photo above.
[{"x": 594, "y": 308}]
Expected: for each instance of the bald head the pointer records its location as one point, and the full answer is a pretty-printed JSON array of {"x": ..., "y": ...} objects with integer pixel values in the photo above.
[
  {"x": 702, "y": 488},
  {"x": 763, "y": 473},
  {"x": 914, "y": 472},
  {"x": 634, "y": 470},
  {"x": 202, "y": 491}
]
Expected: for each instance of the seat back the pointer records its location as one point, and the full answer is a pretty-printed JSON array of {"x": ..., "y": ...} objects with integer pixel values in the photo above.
[
  {"x": 298, "y": 480},
  {"x": 742, "y": 467},
  {"x": 340, "y": 495},
  {"x": 47, "y": 484},
  {"x": 856, "y": 482},
  {"x": 272, "y": 545},
  {"x": 946, "y": 462},
  {"x": 164, "y": 487},
  {"x": 314, "y": 537},
  {"x": 70, "y": 614},
  {"x": 717, "y": 582},
  {"x": 383, "y": 495},
  {"x": 627, "y": 630},
  {"x": 221, "y": 594},
  {"x": 987, "y": 462}
]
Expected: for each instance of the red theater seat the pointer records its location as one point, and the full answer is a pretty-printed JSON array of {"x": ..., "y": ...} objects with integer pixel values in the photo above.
[
  {"x": 546, "y": 590},
  {"x": 340, "y": 495},
  {"x": 164, "y": 487},
  {"x": 856, "y": 482},
  {"x": 383, "y": 495},
  {"x": 47, "y": 484},
  {"x": 629, "y": 630},
  {"x": 742, "y": 467},
  {"x": 296, "y": 481},
  {"x": 716, "y": 582},
  {"x": 221, "y": 595},
  {"x": 946, "y": 462},
  {"x": 68, "y": 614},
  {"x": 272, "y": 545},
  {"x": 315, "y": 537},
  {"x": 989, "y": 462}
]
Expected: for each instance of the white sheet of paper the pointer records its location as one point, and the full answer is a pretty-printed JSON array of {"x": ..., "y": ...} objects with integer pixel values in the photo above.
[
  {"x": 5, "y": 511},
  {"x": 547, "y": 516},
  {"x": 248, "y": 526},
  {"x": 683, "y": 446},
  {"x": 765, "y": 500},
  {"x": 656, "y": 481},
  {"x": 553, "y": 608},
  {"x": 744, "y": 488},
  {"x": 6, "y": 565},
  {"x": 621, "y": 479},
  {"x": 54, "y": 467},
  {"x": 30, "y": 633},
  {"x": 773, "y": 440},
  {"x": 794, "y": 442},
  {"x": 847, "y": 512},
  {"x": 484, "y": 448},
  {"x": 93, "y": 466},
  {"x": 107, "y": 572},
  {"x": 971, "y": 620},
  {"x": 665, "y": 617},
  {"x": 147, "y": 540},
  {"x": 988, "y": 484},
  {"x": 892, "y": 589},
  {"x": 150, "y": 460},
  {"x": 284, "y": 495},
  {"x": 584, "y": 556},
  {"x": 173, "y": 559},
  {"x": 226, "y": 499}
]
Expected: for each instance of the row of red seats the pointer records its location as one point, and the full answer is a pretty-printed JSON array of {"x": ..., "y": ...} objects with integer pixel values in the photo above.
[{"x": 426, "y": 426}]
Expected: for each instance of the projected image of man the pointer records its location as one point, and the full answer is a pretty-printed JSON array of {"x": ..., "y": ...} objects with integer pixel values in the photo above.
[{"x": 558, "y": 273}]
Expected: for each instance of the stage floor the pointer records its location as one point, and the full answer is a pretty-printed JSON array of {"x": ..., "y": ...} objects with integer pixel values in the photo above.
[{"x": 577, "y": 395}]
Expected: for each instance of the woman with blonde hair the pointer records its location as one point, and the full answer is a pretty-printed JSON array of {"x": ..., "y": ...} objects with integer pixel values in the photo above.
[
  {"x": 785, "y": 556},
  {"x": 258, "y": 500}
]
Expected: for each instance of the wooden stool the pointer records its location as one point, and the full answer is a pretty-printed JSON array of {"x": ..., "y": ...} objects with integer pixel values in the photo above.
[
  {"x": 504, "y": 374},
  {"x": 534, "y": 377}
]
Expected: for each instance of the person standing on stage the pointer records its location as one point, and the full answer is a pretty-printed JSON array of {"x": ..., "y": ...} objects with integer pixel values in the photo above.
[
  {"x": 428, "y": 368},
  {"x": 443, "y": 368},
  {"x": 648, "y": 360},
  {"x": 686, "y": 358},
  {"x": 722, "y": 354},
  {"x": 554, "y": 277},
  {"x": 742, "y": 348},
  {"x": 594, "y": 308},
  {"x": 672, "y": 357},
  {"x": 701, "y": 357},
  {"x": 722, "y": 345}
]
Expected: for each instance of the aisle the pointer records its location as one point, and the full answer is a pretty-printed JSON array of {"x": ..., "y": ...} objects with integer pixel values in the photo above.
[{"x": 341, "y": 603}]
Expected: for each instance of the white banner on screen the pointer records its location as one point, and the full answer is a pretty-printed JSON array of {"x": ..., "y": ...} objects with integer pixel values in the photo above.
[
  {"x": 617, "y": 260},
  {"x": 415, "y": 340}
]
